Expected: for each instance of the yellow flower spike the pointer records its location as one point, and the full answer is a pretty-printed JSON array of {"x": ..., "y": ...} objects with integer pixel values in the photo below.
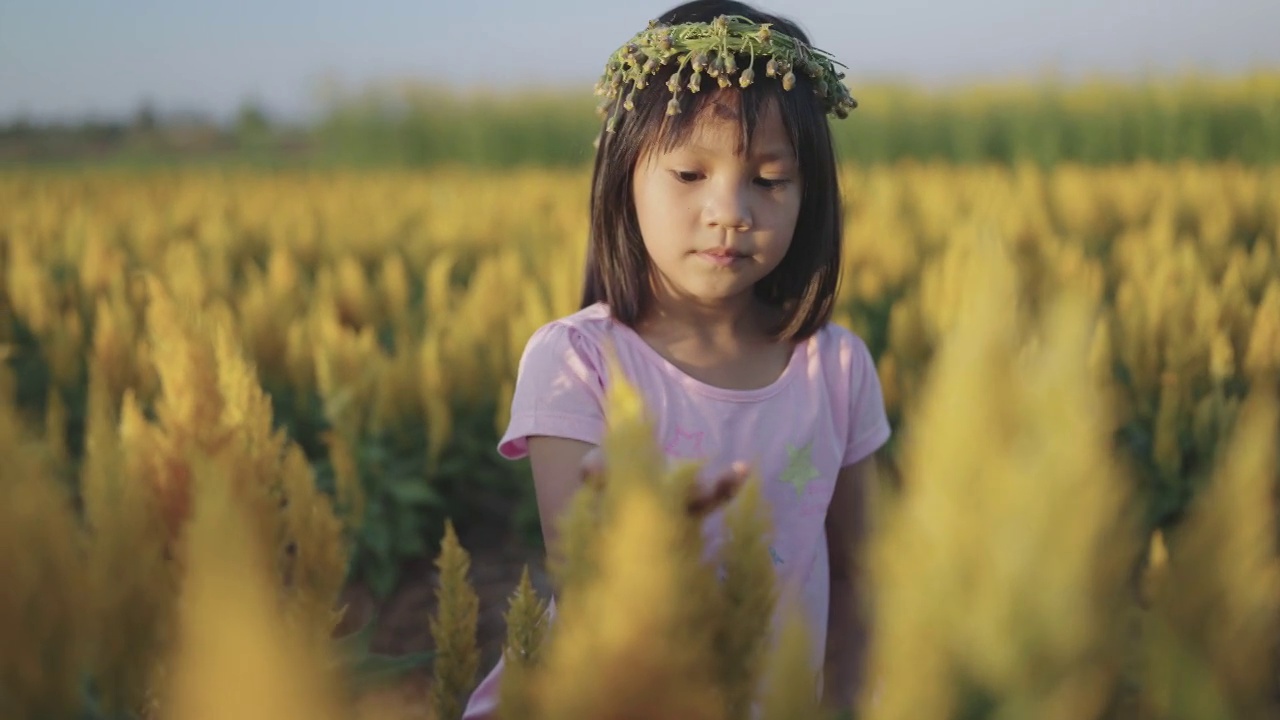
[
  {"x": 348, "y": 489},
  {"x": 453, "y": 629},
  {"x": 111, "y": 349},
  {"x": 263, "y": 327},
  {"x": 791, "y": 682},
  {"x": 100, "y": 264},
  {"x": 186, "y": 368},
  {"x": 1260, "y": 266},
  {"x": 232, "y": 633},
  {"x": 1221, "y": 358},
  {"x": 352, "y": 292},
  {"x": 1101, "y": 358},
  {"x": 313, "y": 552},
  {"x": 46, "y": 608},
  {"x": 747, "y": 599},
  {"x": 282, "y": 273},
  {"x": 183, "y": 268},
  {"x": 622, "y": 643},
  {"x": 1262, "y": 358},
  {"x": 961, "y": 595},
  {"x": 128, "y": 572},
  {"x": 1156, "y": 570},
  {"x": 574, "y": 562},
  {"x": 526, "y": 620},
  {"x": 631, "y": 452},
  {"x": 1224, "y": 566},
  {"x": 679, "y": 487},
  {"x": 527, "y": 624},
  {"x": 246, "y": 409},
  {"x": 438, "y": 291},
  {"x": 29, "y": 288},
  {"x": 393, "y": 282},
  {"x": 394, "y": 389},
  {"x": 624, "y": 405},
  {"x": 299, "y": 358}
]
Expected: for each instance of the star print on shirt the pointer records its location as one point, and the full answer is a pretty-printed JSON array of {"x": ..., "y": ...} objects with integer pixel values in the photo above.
[
  {"x": 685, "y": 444},
  {"x": 800, "y": 470}
]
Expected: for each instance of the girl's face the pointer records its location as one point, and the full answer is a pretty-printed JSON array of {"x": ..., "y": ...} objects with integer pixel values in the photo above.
[{"x": 715, "y": 223}]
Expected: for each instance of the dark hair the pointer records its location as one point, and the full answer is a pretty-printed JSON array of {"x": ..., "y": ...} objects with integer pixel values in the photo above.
[{"x": 804, "y": 284}]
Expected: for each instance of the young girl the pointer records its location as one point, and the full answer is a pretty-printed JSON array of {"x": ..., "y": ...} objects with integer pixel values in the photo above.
[{"x": 712, "y": 270}]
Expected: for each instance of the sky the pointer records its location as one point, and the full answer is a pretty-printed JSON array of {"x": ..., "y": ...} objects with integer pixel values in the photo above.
[{"x": 71, "y": 59}]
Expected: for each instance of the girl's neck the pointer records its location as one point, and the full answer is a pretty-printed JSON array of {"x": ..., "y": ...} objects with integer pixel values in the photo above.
[
  {"x": 727, "y": 347},
  {"x": 744, "y": 319}
]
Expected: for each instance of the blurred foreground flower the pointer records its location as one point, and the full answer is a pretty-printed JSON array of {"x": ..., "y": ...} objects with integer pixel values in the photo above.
[{"x": 1000, "y": 577}]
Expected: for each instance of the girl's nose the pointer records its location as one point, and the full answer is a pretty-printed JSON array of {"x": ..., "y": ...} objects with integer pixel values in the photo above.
[{"x": 729, "y": 207}]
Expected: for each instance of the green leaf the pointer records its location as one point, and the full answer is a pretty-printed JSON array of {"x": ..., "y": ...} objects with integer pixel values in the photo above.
[
  {"x": 410, "y": 540},
  {"x": 378, "y": 538},
  {"x": 383, "y": 577},
  {"x": 413, "y": 491}
]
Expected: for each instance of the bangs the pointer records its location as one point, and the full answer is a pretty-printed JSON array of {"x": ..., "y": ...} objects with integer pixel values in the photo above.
[{"x": 649, "y": 127}]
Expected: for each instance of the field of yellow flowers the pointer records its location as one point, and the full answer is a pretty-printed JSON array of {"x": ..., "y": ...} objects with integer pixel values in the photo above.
[{"x": 229, "y": 394}]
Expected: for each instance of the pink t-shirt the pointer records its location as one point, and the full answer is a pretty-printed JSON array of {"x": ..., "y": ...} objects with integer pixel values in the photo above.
[{"x": 824, "y": 412}]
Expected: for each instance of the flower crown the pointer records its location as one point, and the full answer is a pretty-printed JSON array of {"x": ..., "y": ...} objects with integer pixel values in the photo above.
[{"x": 711, "y": 49}]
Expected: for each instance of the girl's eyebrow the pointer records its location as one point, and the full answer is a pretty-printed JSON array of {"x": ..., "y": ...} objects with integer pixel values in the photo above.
[{"x": 775, "y": 154}]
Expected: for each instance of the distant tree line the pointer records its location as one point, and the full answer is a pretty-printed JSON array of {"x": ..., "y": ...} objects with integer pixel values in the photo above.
[
  {"x": 149, "y": 136},
  {"x": 406, "y": 125}
]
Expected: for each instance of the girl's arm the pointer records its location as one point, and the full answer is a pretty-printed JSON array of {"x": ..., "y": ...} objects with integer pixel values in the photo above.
[
  {"x": 561, "y": 465},
  {"x": 847, "y": 627},
  {"x": 558, "y": 471}
]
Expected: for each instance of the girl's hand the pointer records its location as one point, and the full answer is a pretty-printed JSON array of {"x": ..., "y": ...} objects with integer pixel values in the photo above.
[{"x": 722, "y": 490}]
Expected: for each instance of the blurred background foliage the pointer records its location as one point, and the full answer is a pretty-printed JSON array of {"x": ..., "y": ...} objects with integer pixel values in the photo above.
[{"x": 412, "y": 124}]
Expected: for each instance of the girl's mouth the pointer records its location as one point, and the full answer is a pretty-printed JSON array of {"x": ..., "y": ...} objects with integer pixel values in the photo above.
[{"x": 721, "y": 257}]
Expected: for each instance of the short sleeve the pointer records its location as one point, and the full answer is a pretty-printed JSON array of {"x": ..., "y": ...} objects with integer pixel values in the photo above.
[
  {"x": 868, "y": 421},
  {"x": 559, "y": 390}
]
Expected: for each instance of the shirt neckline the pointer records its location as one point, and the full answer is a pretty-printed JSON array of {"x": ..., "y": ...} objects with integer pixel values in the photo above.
[{"x": 633, "y": 338}]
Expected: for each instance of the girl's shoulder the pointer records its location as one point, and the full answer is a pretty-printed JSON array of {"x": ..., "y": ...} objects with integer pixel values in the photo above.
[
  {"x": 588, "y": 327},
  {"x": 592, "y": 321},
  {"x": 578, "y": 338},
  {"x": 847, "y": 365},
  {"x": 838, "y": 343}
]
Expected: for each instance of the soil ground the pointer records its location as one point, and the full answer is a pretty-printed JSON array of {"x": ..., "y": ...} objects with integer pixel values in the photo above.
[{"x": 404, "y": 616}]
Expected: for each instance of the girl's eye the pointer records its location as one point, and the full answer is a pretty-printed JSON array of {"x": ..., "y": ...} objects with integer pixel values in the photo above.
[{"x": 689, "y": 176}]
